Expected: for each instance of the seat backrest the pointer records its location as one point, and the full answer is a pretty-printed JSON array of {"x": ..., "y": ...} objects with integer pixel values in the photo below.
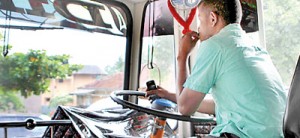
[{"x": 291, "y": 122}]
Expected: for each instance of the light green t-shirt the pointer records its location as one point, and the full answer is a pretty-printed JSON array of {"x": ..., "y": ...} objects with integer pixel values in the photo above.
[{"x": 246, "y": 87}]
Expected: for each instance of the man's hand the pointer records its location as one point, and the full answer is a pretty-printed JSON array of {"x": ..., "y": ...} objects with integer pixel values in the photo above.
[
  {"x": 187, "y": 43},
  {"x": 161, "y": 92}
]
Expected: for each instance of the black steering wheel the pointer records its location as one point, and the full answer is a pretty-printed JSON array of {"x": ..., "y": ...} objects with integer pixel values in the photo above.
[{"x": 116, "y": 96}]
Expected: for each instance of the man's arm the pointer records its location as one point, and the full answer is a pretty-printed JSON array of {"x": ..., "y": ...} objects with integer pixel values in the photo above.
[
  {"x": 188, "y": 100},
  {"x": 207, "y": 106}
]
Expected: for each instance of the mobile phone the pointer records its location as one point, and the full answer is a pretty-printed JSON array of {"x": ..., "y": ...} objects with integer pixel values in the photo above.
[{"x": 151, "y": 85}]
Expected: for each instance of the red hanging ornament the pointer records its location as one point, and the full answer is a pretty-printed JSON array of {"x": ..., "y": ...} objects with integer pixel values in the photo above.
[{"x": 186, "y": 24}]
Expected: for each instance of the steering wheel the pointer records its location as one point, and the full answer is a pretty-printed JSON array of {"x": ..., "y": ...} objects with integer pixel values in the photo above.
[{"x": 116, "y": 96}]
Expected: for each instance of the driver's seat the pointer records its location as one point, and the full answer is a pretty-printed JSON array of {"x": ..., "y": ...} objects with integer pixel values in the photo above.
[{"x": 291, "y": 122}]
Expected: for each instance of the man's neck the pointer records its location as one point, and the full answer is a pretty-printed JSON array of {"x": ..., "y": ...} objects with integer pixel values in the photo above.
[{"x": 219, "y": 27}]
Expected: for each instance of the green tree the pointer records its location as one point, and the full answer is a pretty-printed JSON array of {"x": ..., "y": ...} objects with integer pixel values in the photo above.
[
  {"x": 163, "y": 56},
  {"x": 117, "y": 67},
  {"x": 60, "y": 100},
  {"x": 30, "y": 73},
  {"x": 10, "y": 101},
  {"x": 282, "y": 26}
]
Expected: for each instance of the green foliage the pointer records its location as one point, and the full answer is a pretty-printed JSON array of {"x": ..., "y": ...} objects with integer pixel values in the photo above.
[
  {"x": 30, "y": 72},
  {"x": 162, "y": 57},
  {"x": 10, "y": 101},
  {"x": 249, "y": 4},
  {"x": 60, "y": 100},
  {"x": 282, "y": 26},
  {"x": 117, "y": 67}
]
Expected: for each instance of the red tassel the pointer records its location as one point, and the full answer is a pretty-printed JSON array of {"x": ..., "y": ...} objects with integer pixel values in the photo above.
[{"x": 186, "y": 24}]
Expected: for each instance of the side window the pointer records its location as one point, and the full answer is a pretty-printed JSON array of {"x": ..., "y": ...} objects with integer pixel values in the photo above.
[
  {"x": 250, "y": 18},
  {"x": 67, "y": 53},
  {"x": 157, "y": 55},
  {"x": 282, "y": 27},
  {"x": 249, "y": 21}
]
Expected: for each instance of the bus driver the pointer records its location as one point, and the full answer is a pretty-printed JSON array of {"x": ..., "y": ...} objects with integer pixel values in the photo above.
[{"x": 248, "y": 93}]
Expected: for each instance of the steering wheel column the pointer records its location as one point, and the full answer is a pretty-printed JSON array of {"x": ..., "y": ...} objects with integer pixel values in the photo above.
[
  {"x": 160, "y": 122},
  {"x": 158, "y": 128}
]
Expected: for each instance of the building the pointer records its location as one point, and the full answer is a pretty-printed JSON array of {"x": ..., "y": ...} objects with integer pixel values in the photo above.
[
  {"x": 98, "y": 89},
  {"x": 60, "y": 87}
]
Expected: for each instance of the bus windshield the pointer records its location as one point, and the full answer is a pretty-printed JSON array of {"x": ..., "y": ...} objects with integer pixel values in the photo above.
[{"x": 62, "y": 53}]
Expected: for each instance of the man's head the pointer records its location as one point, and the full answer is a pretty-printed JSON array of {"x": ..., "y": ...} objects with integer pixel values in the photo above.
[{"x": 216, "y": 14}]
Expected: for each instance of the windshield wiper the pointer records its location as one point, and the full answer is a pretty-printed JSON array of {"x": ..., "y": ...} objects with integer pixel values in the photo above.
[{"x": 29, "y": 27}]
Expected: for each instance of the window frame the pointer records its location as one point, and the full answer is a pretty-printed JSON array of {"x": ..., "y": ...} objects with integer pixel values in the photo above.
[{"x": 141, "y": 40}]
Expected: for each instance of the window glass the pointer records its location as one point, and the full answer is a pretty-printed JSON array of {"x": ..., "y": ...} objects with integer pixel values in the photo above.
[
  {"x": 250, "y": 18},
  {"x": 249, "y": 21},
  {"x": 282, "y": 26},
  {"x": 68, "y": 53},
  {"x": 157, "y": 61}
]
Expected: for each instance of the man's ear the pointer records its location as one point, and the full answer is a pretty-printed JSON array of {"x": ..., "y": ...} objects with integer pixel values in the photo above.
[{"x": 213, "y": 19}]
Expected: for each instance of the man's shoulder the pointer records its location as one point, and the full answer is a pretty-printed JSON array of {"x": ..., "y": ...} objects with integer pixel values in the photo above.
[
  {"x": 229, "y": 35},
  {"x": 212, "y": 41}
]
